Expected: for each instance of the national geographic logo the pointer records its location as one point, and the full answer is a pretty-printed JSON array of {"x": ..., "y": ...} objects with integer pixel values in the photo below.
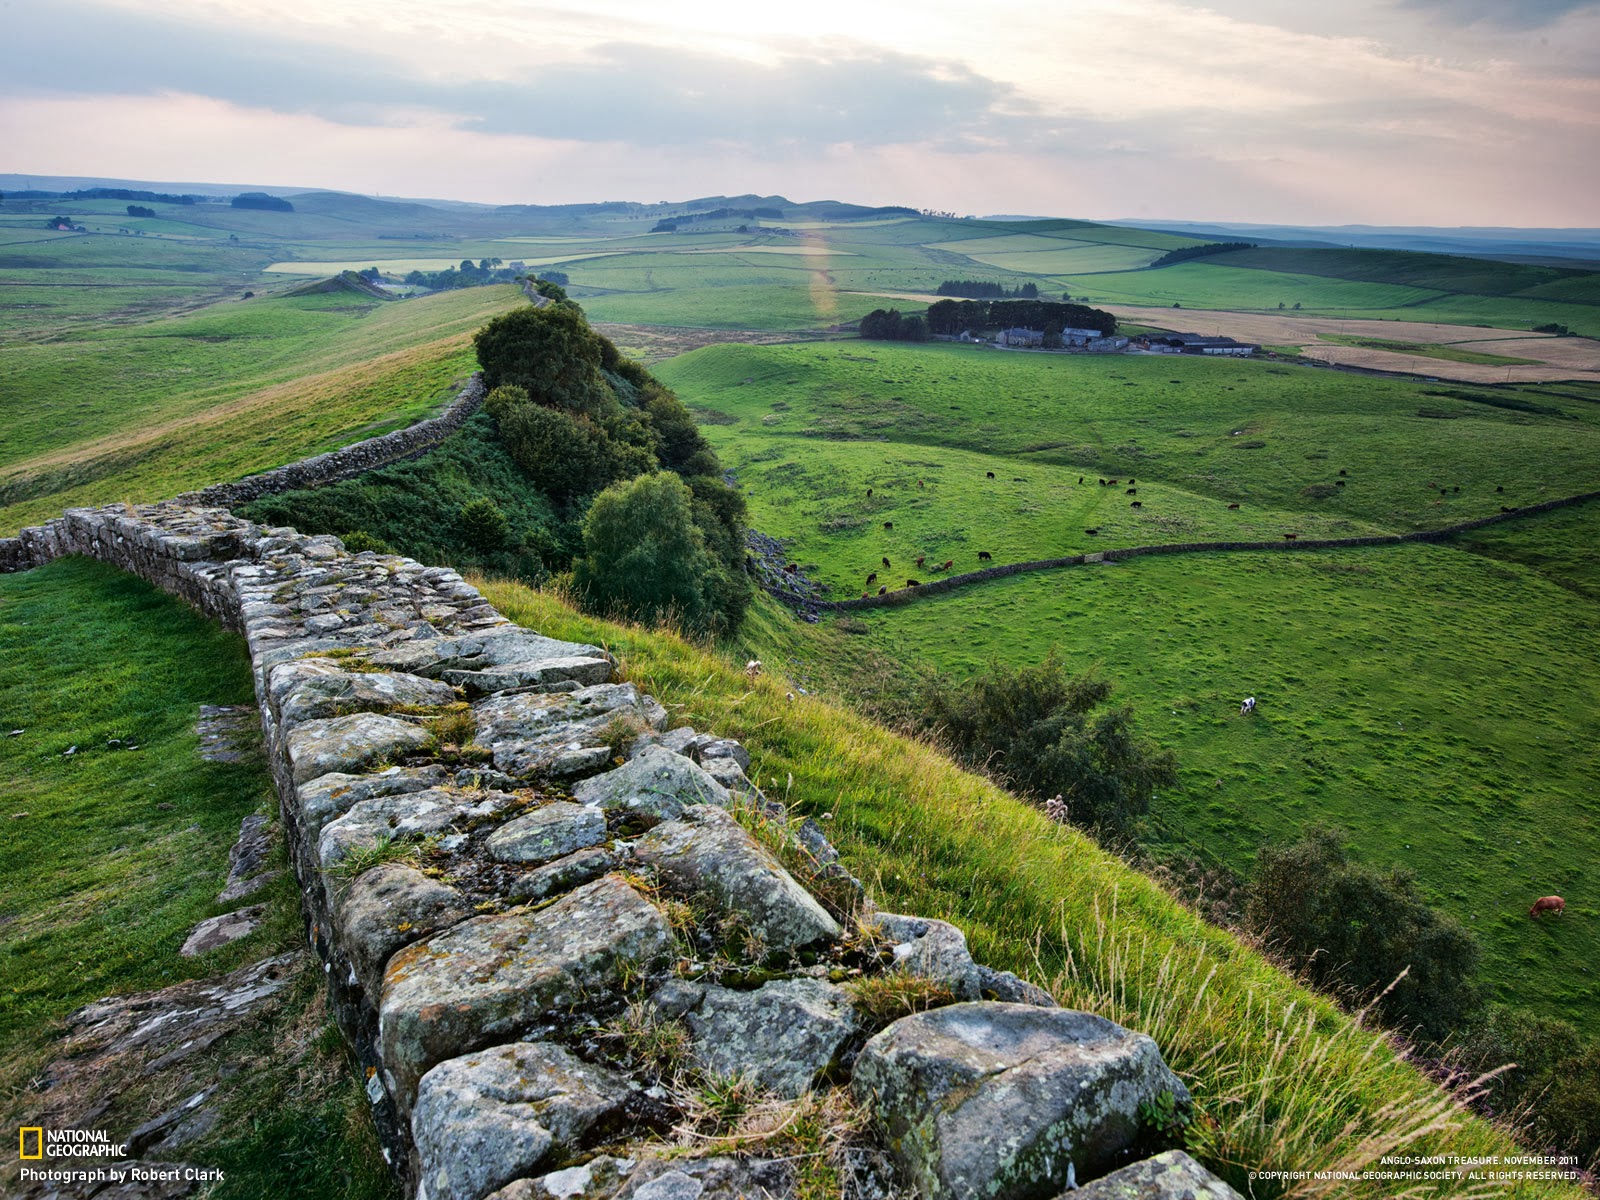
[
  {"x": 35, "y": 1143},
  {"x": 38, "y": 1143}
]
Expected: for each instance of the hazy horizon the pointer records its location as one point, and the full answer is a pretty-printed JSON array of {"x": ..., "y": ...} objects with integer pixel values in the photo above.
[{"x": 1440, "y": 113}]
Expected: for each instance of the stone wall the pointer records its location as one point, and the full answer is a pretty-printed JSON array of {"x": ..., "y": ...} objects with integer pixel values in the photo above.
[
  {"x": 348, "y": 461},
  {"x": 520, "y": 879},
  {"x": 894, "y": 596}
]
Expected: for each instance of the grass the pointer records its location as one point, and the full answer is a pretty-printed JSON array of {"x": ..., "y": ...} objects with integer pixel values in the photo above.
[
  {"x": 1436, "y": 702},
  {"x": 111, "y": 854},
  {"x": 1281, "y": 1077}
]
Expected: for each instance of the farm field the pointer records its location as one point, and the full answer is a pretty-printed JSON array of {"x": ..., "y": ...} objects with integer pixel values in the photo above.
[{"x": 1437, "y": 702}]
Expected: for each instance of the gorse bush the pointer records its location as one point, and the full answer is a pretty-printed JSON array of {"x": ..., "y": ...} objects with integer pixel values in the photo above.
[
  {"x": 1347, "y": 927},
  {"x": 1037, "y": 730}
]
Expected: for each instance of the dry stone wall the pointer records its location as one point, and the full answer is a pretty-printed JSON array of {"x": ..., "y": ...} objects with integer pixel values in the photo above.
[{"x": 507, "y": 861}]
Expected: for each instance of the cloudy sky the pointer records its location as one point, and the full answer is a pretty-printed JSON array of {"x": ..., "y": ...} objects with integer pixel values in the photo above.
[{"x": 1437, "y": 112}]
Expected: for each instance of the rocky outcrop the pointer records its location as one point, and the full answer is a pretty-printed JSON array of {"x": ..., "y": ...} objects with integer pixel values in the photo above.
[{"x": 505, "y": 856}]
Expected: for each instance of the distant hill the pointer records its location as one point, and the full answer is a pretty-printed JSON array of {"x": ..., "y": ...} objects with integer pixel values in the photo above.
[
  {"x": 345, "y": 281},
  {"x": 1505, "y": 244}
]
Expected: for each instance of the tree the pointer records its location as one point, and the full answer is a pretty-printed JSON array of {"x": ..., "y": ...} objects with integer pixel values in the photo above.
[
  {"x": 643, "y": 555},
  {"x": 550, "y": 352},
  {"x": 1037, "y": 730},
  {"x": 1347, "y": 926},
  {"x": 484, "y": 526}
]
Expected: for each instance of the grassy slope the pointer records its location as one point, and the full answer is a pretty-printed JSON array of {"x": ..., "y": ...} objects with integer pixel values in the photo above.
[
  {"x": 1395, "y": 700},
  {"x": 1281, "y": 1077},
  {"x": 110, "y": 856},
  {"x": 224, "y": 392}
]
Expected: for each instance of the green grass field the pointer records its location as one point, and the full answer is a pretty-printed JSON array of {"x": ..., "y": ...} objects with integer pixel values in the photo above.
[{"x": 1438, "y": 703}]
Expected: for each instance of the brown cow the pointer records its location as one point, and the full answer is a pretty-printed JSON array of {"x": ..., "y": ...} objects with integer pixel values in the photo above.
[
  {"x": 1289, "y": 537},
  {"x": 1546, "y": 904},
  {"x": 919, "y": 483},
  {"x": 948, "y": 563},
  {"x": 920, "y": 557}
]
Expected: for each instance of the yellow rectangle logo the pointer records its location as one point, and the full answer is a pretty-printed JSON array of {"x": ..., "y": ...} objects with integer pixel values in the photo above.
[{"x": 38, "y": 1142}]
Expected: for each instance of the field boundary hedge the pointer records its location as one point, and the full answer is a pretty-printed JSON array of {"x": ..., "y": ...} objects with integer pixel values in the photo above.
[{"x": 937, "y": 587}]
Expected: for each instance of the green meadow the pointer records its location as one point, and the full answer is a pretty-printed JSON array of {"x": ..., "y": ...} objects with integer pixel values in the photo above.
[{"x": 1439, "y": 702}]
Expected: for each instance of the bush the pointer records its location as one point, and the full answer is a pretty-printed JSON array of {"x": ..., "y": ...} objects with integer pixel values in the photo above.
[
  {"x": 1346, "y": 926},
  {"x": 483, "y": 526},
  {"x": 565, "y": 455},
  {"x": 1553, "y": 1088},
  {"x": 1035, "y": 728},
  {"x": 645, "y": 557},
  {"x": 551, "y": 353}
]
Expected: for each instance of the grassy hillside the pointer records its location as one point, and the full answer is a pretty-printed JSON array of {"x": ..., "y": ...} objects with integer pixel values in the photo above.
[
  {"x": 1438, "y": 703},
  {"x": 1281, "y": 1078},
  {"x": 112, "y": 853}
]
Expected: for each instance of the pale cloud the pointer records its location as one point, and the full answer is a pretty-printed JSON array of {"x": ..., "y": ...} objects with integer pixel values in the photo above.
[{"x": 1418, "y": 111}]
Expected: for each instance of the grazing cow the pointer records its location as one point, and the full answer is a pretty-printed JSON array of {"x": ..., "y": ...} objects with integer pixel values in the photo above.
[
  {"x": 753, "y": 668},
  {"x": 912, "y": 583},
  {"x": 1499, "y": 489},
  {"x": 920, "y": 558},
  {"x": 886, "y": 562},
  {"x": 1112, "y": 482},
  {"x": 1341, "y": 470},
  {"x": 1433, "y": 487},
  {"x": 1546, "y": 904},
  {"x": 872, "y": 577},
  {"x": 1133, "y": 481},
  {"x": 990, "y": 474},
  {"x": 1289, "y": 537},
  {"x": 948, "y": 563},
  {"x": 1092, "y": 532},
  {"x": 985, "y": 556},
  {"x": 866, "y": 595},
  {"x": 888, "y": 524},
  {"x": 1132, "y": 492},
  {"x": 869, "y": 493},
  {"x": 884, "y": 590},
  {"x": 1457, "y": 488},
  {"x": 1233, "y": 506},
  {"x": 1080, "y": 478},
  {"x": 1503, "y": 508},
  {"x": 1137, "y": 504},
  {"x": 791, "y": 568},
  {"x": 1248, "y": 707},
  {"x": 1102, "y": 483},
  {"x": 1338, "y": 483},
  {"x": 919, "y": 483}
]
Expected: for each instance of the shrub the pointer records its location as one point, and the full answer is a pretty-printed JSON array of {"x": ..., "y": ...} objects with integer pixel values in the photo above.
[
  {"x": 1036, "y": 729},
  {"x": 1347, "y": 926},
  {"x": 551, "y": 353},
  {"x": 643, "y": 554},
  {"x": 1552, "y": 1086},
  {"x": 483, "y": 525}
]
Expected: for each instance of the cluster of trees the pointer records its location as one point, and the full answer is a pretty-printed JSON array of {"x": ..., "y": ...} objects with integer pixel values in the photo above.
[
  {"x": 977, "y": 289},
  {"x": 1044, "y": 733},
  {"x": 261, "y": 201},
  {"x": 669, "y": 224},
  {"x": 953, "y": 316},
  {"x": 1185, "y": 253},
  {"x": 106, "y": 194},
  {"x": 663, "y": 537},
  {"x": 468, "y": 274},
  {"x": 138, "y": 210},
  {"x": 1552, "y": 1089},
  {"x": 890, "y": 325}
]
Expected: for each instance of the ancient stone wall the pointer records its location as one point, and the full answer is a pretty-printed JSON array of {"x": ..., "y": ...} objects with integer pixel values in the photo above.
[{"x": 520, "y": 879}]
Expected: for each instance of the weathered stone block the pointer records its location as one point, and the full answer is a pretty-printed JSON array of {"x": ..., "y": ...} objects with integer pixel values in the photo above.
[
  {"x": 485, "y": 1118},
  {"x": 935, "y": 949},
  {"x": 581, "y": 669},
  {"x": 548, "y": 832},
  {"x": 350, "y": 743},
  {"x": 314, "y": 688},
  {"x": 997, "y": 1099},
  {"x": 707, "y": 851},
  {"x": 491, "y": 978},
  {"x": 1169, "y": 1176},
  {"x": 407, "y": 815},
  {"x": 783, "y": 1035},
  {"x": 563, "y": 874},
  {"x": 657, "y": 784},
  {"x": 561, "y": 734},
  {"x": 330, "y": 796},
  {"x": 386, "y": 908}
]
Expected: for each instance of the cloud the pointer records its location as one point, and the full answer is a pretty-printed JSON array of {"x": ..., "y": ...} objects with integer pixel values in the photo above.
[
  {"x": 1507, "y": 14},
  {"x": 828, "y": 94}
]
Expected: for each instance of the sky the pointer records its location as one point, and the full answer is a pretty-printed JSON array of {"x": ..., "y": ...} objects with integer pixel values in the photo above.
[{"x": 1389, "y": 112}]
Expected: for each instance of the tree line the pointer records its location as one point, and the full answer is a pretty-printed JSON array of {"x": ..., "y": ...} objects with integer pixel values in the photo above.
[
  {"x": 1185, "y": 253},
  {"x": 977, "y": 289},
  {"x": 954, "y": 316}
]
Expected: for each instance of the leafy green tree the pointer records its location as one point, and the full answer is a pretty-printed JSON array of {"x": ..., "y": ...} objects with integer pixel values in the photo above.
[
  {"x": 1347, "y": 926},
  {"x": 643, "y": 554},
  {"x": 551, "y": 353},
  {"x": 1037, "y": 729}
]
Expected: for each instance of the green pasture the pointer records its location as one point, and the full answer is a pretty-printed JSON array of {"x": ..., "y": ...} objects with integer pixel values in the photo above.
[
  {"x": 1424, "y": 697},
  {"x": 1200, "y": 284},
  {"x": 113, "y": 852}
]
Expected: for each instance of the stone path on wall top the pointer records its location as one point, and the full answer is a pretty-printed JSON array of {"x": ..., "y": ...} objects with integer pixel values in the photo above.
[{"x": 587, "y": 865}]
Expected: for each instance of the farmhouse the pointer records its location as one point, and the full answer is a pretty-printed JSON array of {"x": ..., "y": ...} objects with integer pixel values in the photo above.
[
  {"x": 1195, "y": 343},
  {"x": 1080, "y": 337},
  {"x": 1019, "y": 337}
]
